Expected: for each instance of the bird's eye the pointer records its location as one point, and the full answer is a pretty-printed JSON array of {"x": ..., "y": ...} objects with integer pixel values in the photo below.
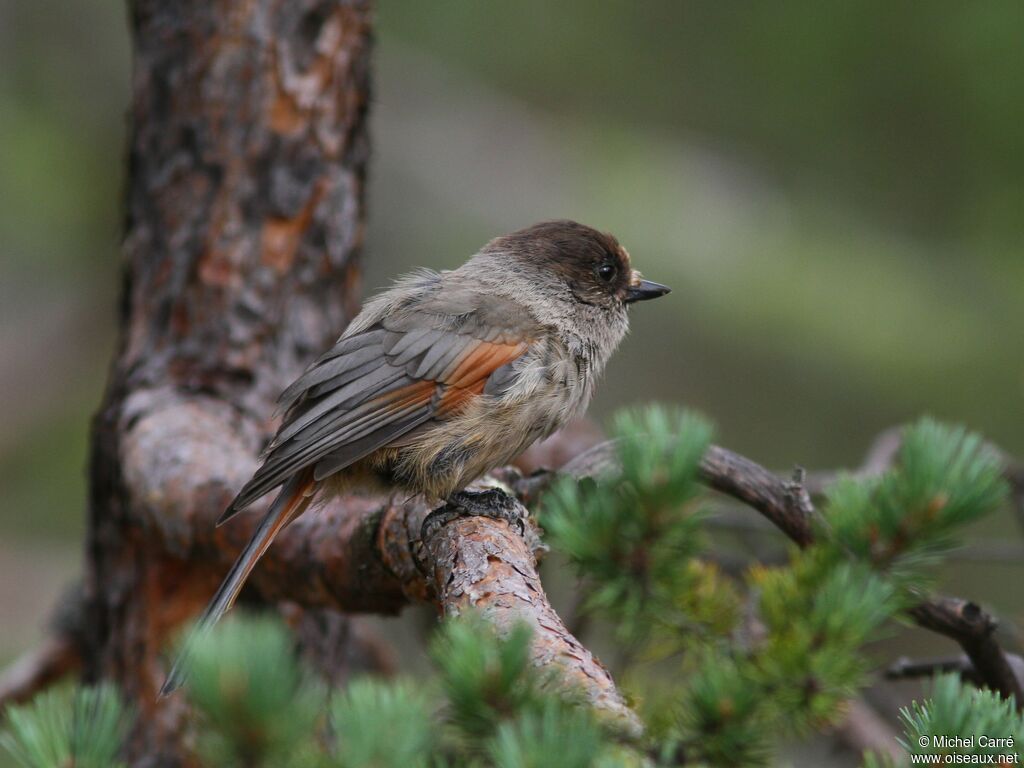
[{"x": 606, "y": 272}]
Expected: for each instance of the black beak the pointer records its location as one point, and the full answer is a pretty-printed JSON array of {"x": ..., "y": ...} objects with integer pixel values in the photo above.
[{"x": 645, "y": 290}]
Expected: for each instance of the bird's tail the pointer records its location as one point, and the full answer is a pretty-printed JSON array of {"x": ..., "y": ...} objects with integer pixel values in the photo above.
[{"x": 293, "y": 498}]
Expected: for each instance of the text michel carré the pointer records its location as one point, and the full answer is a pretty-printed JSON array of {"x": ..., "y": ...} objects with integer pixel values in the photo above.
[{"x": 970, "y": 742}]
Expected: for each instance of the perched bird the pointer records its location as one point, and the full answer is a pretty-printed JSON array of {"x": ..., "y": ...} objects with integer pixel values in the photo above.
[{"x": 444, "y": 377}]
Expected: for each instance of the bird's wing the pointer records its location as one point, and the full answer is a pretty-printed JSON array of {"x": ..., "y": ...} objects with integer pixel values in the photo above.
[{"x": 421, "y": 362}]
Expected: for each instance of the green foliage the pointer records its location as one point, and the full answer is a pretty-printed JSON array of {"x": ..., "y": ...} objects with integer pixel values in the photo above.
[
  {"x": 722, "y": 717},
  {"x": 635, "y": 539},
  {"x": 489, "y": 705},
  {"x": 817, "y": 620},
  {"x": 660, "y": 449},
  {"x": 257, "y": 704},
  {"x": 386, "y": 725},
  {"x": 631, "y": 536},
  {"x": 534, "y": 738},
  {"x": 958, "y": 709},
  {"x": 774, "y": 652},
  {"x": 85, "y": 728},
  {"x": 904, "y": 521},
  {"x": 486, "y": 678}
]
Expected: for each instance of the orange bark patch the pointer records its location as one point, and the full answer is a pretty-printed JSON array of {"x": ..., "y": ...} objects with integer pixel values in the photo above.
[{"x": 281, "y": 237}]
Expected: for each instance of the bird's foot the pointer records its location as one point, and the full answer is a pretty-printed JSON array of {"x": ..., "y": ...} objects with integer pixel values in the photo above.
[{"x": 490, "y": 502}]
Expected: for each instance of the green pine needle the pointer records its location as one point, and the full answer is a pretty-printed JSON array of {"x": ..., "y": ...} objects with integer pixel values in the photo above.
[
  {"x": 818, "y": 617},
  {"x": 554, "y": 735},
  {"x": 631, "y": 536},
  {"x": 956, "y": 709},
  {"x": 259, "y": 706},
  {"x": 903, "y": 522},
  {"x": 660, "y": 449},
  {"x": 722, "y": 721},
  {"x": 385, "y": 725},
  {"x": 634, "y": 539},
  {"x": 486, "y": 678},
  {"x": 84, "y": 727}
]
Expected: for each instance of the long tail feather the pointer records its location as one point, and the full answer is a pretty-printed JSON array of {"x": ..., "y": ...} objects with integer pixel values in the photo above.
[{"x": 289, "y": 504}]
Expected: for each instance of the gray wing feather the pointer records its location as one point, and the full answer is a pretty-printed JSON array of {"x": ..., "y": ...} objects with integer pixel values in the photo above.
[
  {"x": 329, "y": 423},
  {"x": 452, "y": 362},
  {"x": 412, "y": 353},
  {"x": 357, "y": 448},
  {"x": 342, "y": 379},
  {"x": 339, "y": 425},
  {"x": 350, "y": 428},
  {"x": 499, "y": 382},
  {"x": 378, "y": 381},
  {"x": 348, "y": 344},
  {"x": 400, "y": 345},
  {"x": 331, "y": 369},
  {"x": 440, "y": 355}
]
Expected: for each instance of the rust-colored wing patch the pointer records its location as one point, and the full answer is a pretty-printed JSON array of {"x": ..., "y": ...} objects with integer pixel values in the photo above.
[
  {"x": 378, "y": 390},
  {"x": 482, "y": 360},
  {"x": 470, "y": 375}
]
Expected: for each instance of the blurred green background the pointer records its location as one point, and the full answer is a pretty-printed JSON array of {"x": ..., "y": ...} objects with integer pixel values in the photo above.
[{"x": 834, "y": 190}]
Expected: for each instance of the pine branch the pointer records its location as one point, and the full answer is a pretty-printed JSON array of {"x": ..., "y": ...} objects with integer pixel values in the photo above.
[
  {"x": 365, "y": 555},
  {"x": 36, "y": 670},
  {"x": 57, "y": 656},
  {"x": 781, "y": 502},
  {"x": 883, "y": 454},
  {"x": 974, "y": 630},
  {"x": 480, "y": 554},
  {"x": 84, "y": 727},
  {"x": 905, "y": 668},
  {"x": 910, "y": 669},
  {"x": 787, "y": 504}
]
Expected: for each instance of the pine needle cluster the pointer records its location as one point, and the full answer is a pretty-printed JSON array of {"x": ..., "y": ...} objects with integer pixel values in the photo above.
[
  {"x": 962, "y": 721},
  {"x": 256, "y": 705},
  {"x": 721, "y": 665},
  {"x": 778, "y": 651},
  {"x": 633, "y": 538},
  {"x": 83, "y": 727},
  {"x": 903, "y": 522}
]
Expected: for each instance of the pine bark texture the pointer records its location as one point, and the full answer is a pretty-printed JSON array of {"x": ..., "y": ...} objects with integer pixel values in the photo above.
[{"x": 244, "y": 221}]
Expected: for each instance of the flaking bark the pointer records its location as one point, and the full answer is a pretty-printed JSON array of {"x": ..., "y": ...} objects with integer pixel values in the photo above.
[{"x": 244, "y": 220}]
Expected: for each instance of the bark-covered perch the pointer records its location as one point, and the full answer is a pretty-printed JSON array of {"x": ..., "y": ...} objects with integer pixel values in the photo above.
[
  {"x": 357, "y": 555},
  {"x": 244, "y": 221}
]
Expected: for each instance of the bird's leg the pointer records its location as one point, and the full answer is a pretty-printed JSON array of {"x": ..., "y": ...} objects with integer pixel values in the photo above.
[{"x": 489, "y": 502}]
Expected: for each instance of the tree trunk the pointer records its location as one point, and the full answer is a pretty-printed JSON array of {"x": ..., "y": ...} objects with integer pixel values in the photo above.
[{"x": 244, "y": 222}]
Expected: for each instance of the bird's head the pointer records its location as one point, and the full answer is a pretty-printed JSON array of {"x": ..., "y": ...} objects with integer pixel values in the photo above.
[{"x": 593, "y": 265}]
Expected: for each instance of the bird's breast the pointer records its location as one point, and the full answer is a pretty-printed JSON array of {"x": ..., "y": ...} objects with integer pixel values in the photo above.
[{"x": 487, "y": 433}]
